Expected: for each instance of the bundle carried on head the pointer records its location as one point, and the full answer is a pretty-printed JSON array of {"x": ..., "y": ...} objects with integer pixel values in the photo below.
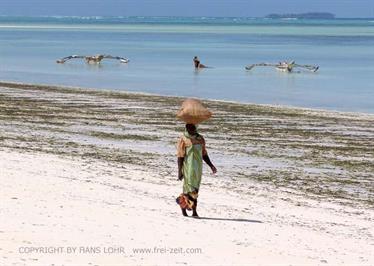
[{"x": 193, "y": 111}]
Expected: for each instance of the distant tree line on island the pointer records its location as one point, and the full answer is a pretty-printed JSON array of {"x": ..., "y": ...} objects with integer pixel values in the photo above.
[{"x": 310, "y": 15}]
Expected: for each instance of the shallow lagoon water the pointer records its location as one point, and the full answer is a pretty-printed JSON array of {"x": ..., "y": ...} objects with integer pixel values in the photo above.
[{"x": 161, "y": 51}]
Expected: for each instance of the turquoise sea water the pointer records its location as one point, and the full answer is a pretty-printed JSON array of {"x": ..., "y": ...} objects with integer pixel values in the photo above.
[{"x": 161, "y": 49}]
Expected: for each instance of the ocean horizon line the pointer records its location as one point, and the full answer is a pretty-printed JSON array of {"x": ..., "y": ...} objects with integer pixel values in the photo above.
[{"x": 166, "y": 17}]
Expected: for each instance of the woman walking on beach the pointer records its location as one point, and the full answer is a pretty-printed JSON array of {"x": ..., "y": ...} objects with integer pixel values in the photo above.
[{"x": 191, "y": 152}]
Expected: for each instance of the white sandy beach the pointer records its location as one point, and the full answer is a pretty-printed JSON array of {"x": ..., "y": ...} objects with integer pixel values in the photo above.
[
  {"x": 76, "y": 192},
  {"x": 56, "y": 202}
]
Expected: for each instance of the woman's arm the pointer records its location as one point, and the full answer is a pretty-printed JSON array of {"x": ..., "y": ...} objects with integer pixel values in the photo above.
[
  {"x": 208, "y": 162},
  {"x": 207, "y": 159},
  {"x": 180, "y": 167},
  {"x": 181, "y": 152}
]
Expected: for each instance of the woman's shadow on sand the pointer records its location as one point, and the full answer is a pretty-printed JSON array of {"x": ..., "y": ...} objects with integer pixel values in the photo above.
[{"x": 227, "y": 219}]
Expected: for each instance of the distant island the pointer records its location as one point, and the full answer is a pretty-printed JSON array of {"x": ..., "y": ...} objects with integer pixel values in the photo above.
[{"x": 310, "y": 15}]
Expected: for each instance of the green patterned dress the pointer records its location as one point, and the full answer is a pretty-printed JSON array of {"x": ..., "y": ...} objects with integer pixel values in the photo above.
[{"x": 192, "y": 148}]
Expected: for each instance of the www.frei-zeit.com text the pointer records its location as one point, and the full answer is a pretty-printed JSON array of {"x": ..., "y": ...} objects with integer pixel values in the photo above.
[{"x": 108, "y": 250}]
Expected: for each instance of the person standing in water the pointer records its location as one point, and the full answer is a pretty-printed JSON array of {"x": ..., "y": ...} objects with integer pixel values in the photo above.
[
  {"x": 191, "y": 152},
  {"x": 197, "y": 64}
]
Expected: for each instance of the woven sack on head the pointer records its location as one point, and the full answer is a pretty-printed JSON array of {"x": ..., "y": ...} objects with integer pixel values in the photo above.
[{"x": 193, "y": 111}]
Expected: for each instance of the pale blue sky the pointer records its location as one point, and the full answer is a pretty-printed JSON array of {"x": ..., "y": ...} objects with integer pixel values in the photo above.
[{"x": 246, "y": 8}]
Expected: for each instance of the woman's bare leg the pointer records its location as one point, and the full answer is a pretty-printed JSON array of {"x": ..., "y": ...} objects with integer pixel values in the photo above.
[
  {"x": 194, "y": 212},
  {"x": 184, "y": 212}
]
